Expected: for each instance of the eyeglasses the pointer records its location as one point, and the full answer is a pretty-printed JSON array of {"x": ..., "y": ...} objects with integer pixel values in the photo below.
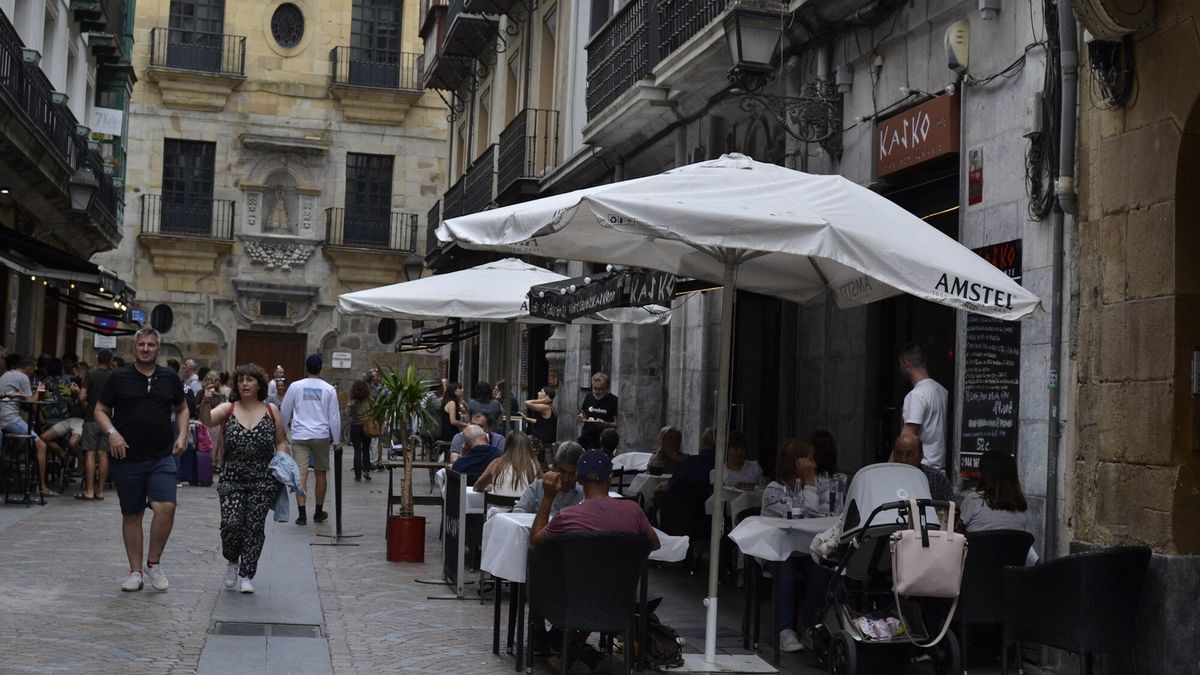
[{"x": 150, "y": 384}]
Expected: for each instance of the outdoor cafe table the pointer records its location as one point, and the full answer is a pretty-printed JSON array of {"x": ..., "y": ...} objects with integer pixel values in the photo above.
[
  {"x": 632, "y": 461},
  {"x": 645, "y": 485},
  {"x": 776, "y": 539},
  {"x": 505, "y": 554},
  {"x": 736, "y": 501}
]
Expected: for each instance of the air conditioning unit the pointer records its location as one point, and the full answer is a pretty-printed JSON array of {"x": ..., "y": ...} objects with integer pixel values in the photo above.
[{"x": 1113, "y": 19}]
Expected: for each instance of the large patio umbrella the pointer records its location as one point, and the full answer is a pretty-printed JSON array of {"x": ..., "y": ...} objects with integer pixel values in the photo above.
[
  {"x": 758, "y": 227},
  {"x": 494, "y": 291}
]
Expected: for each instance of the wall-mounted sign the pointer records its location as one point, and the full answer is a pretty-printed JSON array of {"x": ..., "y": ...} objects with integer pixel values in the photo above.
[
  {"x": 340, "y": 359},
  {"x": 918, "y": 135},
  {"x": 106, "y": 121},
  {"x": 137, "y": 316},
  {"x": 104, "y": 341},
  {"x": 571, "y": 299},
  {"x": 991, "y": 406},
  {"x": 105, "y": 324}
]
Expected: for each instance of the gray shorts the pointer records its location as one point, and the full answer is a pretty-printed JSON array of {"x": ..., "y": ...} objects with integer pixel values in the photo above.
[
  {"x": 72, "y": 426},
  {"x": 94, "y": 440},
  {"x": 316, "y": 449}
]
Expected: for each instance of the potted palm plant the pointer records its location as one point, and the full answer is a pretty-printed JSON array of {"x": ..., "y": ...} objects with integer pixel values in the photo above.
[{"x": 399, "y": 400}]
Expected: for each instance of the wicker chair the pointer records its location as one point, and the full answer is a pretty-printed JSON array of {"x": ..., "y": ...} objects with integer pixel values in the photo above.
[
  {"x": 981, "y": 598},
  {"x": 1083, "y": 603},
  {"x": 588, "y": 581}
]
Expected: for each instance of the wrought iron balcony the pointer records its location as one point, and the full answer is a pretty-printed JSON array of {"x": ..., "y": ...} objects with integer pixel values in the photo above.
[
  {"x": 103, "y": 21},
  {"x": 361, "y": 67},
  {"x": 480, "y": 181},
  {"x": 528, "y": 150},
  {"x": 468, "y": 34},
  {"x": 200, "y": 219},
  {"x": 197, "y": 51},
  {"x": 633, "y": 41},
  {"x": 362, "y": 227},
  {"x": 433, "y": 220},
  {"x": 431, "y": 9},
  {"x": 454, "y": 202},
  {"x": 26, "y": 85}
]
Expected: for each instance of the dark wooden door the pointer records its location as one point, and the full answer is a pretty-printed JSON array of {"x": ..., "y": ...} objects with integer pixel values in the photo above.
[{"x": 270, "y": 349}]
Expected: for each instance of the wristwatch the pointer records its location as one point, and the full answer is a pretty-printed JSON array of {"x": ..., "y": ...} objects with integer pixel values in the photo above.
[{"x": 111, "y": 431}]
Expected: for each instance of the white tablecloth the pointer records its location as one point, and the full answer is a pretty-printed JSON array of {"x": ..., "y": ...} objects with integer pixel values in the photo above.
[
  {"x": 474, "y": 499},
  {"x": 633, "y": 461},
  {"x": 645, "y": 485},
  {"x": 506, "y": 545},
  {"x": 736, "y": 501},
  {"x": 778, "y": 538}
]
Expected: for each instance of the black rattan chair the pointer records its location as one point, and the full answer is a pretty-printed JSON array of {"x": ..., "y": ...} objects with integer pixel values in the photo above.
[
  {"x": 1083, "y": 603},
  {"x": 588, "y": 581},
  {"x": 981, "y": 597}
]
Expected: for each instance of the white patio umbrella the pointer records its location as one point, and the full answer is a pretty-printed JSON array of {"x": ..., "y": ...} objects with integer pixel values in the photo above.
[
  {"x": 758, "y": 227},
  {"x": 494, "y": 291}
]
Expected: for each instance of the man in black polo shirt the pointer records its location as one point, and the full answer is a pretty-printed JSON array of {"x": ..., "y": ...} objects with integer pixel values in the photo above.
[
  {"x": 134, "y": 411},
  {"x": 597, "y": 412}
]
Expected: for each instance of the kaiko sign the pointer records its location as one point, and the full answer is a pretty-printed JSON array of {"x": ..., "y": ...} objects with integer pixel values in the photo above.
[
  {"x": 918, "y": 135},
  {"x": 571, "y": 299}
]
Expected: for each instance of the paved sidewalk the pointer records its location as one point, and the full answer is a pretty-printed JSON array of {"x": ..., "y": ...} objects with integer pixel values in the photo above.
[{"x": 62, "y": 611}]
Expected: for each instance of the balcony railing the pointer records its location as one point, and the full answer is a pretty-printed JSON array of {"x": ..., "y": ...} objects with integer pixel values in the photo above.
[
  {"x": 528, "y": 147},
  {"x": 360, "y": 227},
  {"x": 635, "y": 39},
  {"x": 193, "y": 50},
  {"x": 480, "y": 181},
  {"x": 433, "y": 220},
  {"x": 27, "y": 86},
  {"x": 201, "y": 219},
  {"x": 620, "y": 54},
  {"x": 454, "y": 202},
  {"x": 361, "y": 67},
  {"x": 107, "y": 195}
]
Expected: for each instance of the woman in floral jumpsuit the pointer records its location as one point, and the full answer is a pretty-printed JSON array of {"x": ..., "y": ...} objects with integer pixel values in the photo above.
[{"x": 253, "y": 433}]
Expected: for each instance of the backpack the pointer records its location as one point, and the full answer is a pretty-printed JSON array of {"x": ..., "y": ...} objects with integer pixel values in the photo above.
[{"x": 663, "y": 649}]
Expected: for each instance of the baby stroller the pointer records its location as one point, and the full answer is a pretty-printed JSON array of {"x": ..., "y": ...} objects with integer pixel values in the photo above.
[{"x": 861, "y": 619}]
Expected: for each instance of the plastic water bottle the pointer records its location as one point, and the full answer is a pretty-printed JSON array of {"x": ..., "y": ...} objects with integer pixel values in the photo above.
[{"x": 833, "y": 501}]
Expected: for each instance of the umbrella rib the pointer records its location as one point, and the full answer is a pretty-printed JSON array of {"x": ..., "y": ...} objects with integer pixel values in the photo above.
[{"x": 824, "y": 279}]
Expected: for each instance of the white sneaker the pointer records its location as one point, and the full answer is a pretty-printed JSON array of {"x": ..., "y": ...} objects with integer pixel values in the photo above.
[
  {"x": 247, "y": 586},
  {"x": 133, "y": 583},
  {"x": 231, "y": 575},
  {"x": 158, "y": 578},
  {"x": 789, "y": 641}
]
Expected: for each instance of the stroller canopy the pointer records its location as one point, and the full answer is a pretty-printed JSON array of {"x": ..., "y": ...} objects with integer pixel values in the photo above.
[{"x": 879, "y": 484}]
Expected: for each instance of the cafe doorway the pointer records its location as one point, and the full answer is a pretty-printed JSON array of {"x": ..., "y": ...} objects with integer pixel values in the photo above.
[{"x": 269, "y": 349}]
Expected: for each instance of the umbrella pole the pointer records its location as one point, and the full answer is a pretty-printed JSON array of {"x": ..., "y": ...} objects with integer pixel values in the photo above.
[{"x": 718, "y": 511}]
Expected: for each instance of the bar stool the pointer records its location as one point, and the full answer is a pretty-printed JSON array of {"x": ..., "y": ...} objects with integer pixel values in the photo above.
[{"x": 13, "y": 444}]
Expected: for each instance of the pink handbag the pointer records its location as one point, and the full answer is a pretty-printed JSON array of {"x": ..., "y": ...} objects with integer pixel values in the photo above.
[{"x": 928, "y": 563}]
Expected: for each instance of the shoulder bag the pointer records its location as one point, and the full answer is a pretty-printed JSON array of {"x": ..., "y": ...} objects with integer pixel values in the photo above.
[{"x": 927, "y": 563}]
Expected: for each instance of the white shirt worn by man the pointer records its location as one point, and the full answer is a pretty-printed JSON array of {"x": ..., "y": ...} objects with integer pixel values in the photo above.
[
  {"x": 926, "y": 405},
  {"x": 310, "y": 408}
]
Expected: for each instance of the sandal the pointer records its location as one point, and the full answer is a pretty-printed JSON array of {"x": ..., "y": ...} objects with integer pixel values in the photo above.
[
  {"x": 99, "y": 498},
  {"x": 80, "y": 495},
  {"x": 47, "y": 492}
]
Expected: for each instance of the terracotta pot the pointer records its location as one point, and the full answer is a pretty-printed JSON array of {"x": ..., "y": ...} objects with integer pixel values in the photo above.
[{"x": 406, "y": 539}]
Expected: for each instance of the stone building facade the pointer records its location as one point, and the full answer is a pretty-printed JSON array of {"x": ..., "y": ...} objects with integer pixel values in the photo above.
[{"x": 280, "y": 155}]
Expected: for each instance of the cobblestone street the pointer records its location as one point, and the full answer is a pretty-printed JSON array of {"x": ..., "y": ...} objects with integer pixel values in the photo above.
[{"x": 61, "y": 566}]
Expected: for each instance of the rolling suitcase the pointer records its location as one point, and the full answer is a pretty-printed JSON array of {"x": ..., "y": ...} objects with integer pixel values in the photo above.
[
  {"x": 186, "y": 462},
  {"x": 204, "y": 469}
]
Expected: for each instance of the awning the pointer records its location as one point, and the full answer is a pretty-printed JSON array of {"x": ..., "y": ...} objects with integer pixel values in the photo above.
[{"x": 25, "y": 255}]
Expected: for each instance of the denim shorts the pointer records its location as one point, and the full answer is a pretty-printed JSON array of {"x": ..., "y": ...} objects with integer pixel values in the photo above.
[{"x": 140, "y": 482}]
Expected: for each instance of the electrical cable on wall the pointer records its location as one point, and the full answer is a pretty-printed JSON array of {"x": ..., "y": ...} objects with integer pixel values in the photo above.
[{"x": 1113, "y": 80}]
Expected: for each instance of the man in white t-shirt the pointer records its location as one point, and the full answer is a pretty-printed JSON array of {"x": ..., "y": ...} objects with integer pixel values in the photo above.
[
  {"x": 310, "y": 409},
  {"x": 924, "y": 412}
]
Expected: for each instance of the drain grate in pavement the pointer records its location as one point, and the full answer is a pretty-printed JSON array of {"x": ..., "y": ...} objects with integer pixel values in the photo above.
[{"x": 246, "y": 629}]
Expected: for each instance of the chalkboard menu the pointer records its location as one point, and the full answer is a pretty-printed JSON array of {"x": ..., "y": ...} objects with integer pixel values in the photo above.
[{"x": 992, "y": 379}]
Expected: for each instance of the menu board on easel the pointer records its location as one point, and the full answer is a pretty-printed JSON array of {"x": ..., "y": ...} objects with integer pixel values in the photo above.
[{"x": 992, "y": 375}]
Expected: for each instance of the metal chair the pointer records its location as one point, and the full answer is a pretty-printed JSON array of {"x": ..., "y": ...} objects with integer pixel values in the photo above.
[
  {"x": 1083, "y": 603},
  {"x": 588, "y": 581},
  {"x": 981, "y": 597}
]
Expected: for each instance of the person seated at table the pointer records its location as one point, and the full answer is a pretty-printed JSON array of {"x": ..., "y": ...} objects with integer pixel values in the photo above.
[
  {"x": 609, "y": 440},
  {"x": 598, "y": 513},
  {"x": 478, "y": 453},
  {"x": 62, "y": 413},
  {"x": 795, "y": 486},
  {"x": 831, "y": 484},
  {"x": 511, "y": 473},
  {"x": 482, "y": 421},
  {"x": 566, "y": 461},
  {"x": 740, "y": 472},
  {"x": 997, "y": 502},
  {"x": 907, "y": 450},
  {"x": 15, "y": 386},
  {"x": 669, "y": 453},
  {"x": 697, "y": 470}
]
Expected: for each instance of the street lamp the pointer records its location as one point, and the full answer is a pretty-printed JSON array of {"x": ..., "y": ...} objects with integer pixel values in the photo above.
[
  {"x": 83, "y": 186},
  {"x": 414, "y": 265},
  {"x": 754, "y": 30}
]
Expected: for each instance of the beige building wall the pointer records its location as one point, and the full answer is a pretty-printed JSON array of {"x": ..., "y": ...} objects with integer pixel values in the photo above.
[
  {"x": 1136, "y": 471},
  {"x": 283, "y": 121}
]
